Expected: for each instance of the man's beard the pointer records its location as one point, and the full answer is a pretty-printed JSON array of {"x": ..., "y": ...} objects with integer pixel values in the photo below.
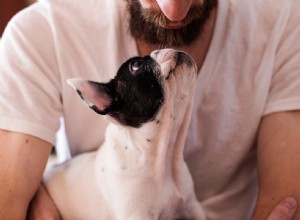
[{"x": 148, "y": 24}]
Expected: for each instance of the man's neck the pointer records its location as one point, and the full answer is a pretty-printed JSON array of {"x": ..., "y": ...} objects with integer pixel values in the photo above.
[{"x": 197, "y": 49}]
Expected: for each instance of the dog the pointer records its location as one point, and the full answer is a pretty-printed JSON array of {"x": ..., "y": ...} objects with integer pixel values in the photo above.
[{"x": 139, "y": 172}]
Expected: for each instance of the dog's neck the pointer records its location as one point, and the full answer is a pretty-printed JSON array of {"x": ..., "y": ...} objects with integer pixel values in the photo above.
[{"x": 158, "y": 145}]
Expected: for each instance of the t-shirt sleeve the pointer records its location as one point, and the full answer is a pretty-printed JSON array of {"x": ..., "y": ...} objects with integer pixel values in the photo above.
[
  {"x": 284, "y": 94},
  {"x": 30, "y": 100}
]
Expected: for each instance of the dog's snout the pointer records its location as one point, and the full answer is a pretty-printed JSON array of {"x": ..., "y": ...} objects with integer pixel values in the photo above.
[
  {"x": 169, "y": 59},
  {"x": 178, "y": 57},
  {"x": 154, "y": 53},
  {"x": 164, "y": 55}
]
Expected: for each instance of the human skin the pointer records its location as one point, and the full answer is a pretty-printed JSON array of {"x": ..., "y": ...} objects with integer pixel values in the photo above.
[{"x": 23, "y": 160}]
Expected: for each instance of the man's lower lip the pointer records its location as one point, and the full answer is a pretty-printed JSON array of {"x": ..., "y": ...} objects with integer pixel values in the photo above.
[{"x": 174, "y": 25}]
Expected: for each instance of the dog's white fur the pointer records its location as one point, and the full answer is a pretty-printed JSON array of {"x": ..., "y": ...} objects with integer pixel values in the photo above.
[{"x": 138, "y": 173}]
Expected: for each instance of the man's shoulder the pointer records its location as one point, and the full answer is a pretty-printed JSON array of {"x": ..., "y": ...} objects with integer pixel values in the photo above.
[
  {"x": 71, "y": 11},
  {"x": 259, "y": 11},
  {"x": 260, "y": 19},
  {"x": 68, "y": 17},
  {"x": 87, "y": 9}
]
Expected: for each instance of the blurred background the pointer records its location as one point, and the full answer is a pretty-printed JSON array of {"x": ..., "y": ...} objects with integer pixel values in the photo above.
[{"x": 8, "y": 8}]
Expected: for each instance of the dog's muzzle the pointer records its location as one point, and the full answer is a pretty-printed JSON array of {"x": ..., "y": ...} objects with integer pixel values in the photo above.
[{"x": 169, "y": 59}]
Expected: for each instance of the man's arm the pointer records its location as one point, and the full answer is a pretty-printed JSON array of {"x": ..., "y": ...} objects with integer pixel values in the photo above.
[
  {"x": 278, "y": 162},
  {"x": 23, "y": 159}
]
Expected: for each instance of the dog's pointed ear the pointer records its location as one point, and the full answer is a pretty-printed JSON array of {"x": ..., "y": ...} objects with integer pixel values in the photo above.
[{"x": 97, "y": 96}]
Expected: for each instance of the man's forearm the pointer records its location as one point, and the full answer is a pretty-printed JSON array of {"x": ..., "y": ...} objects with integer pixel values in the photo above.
[
  {"x": 15, "y": 193},
  {"x": 12, "y": 208},
  {"x": 23, "y": 159},
  {"x": 15, "y": 190}
]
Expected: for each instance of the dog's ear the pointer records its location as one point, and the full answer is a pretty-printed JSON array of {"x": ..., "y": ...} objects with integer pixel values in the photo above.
[{"x": 97, "y": 96}]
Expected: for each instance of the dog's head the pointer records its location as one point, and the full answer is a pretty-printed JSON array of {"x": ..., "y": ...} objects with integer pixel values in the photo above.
[{"x": 141, "y": 87}]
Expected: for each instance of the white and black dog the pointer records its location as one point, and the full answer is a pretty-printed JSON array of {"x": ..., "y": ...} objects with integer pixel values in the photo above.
[{"x": 139, "y": 172}]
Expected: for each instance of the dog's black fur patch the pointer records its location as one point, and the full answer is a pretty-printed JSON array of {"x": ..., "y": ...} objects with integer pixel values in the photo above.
[{"x": 136, "y": 92}]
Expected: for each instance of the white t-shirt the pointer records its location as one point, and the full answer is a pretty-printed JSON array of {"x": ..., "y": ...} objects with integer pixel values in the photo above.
[{"x": 252, "y": 69}]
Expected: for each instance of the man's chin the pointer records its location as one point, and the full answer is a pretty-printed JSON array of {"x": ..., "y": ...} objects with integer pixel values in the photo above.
[{"x": 167, "y": 34}]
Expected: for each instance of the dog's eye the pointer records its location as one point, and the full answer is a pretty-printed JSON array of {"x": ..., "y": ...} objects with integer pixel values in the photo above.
[{"x": 135, "y": 65}]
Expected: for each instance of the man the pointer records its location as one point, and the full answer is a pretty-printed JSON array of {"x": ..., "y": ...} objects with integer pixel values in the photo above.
[{"x": 246, "y": 107}]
